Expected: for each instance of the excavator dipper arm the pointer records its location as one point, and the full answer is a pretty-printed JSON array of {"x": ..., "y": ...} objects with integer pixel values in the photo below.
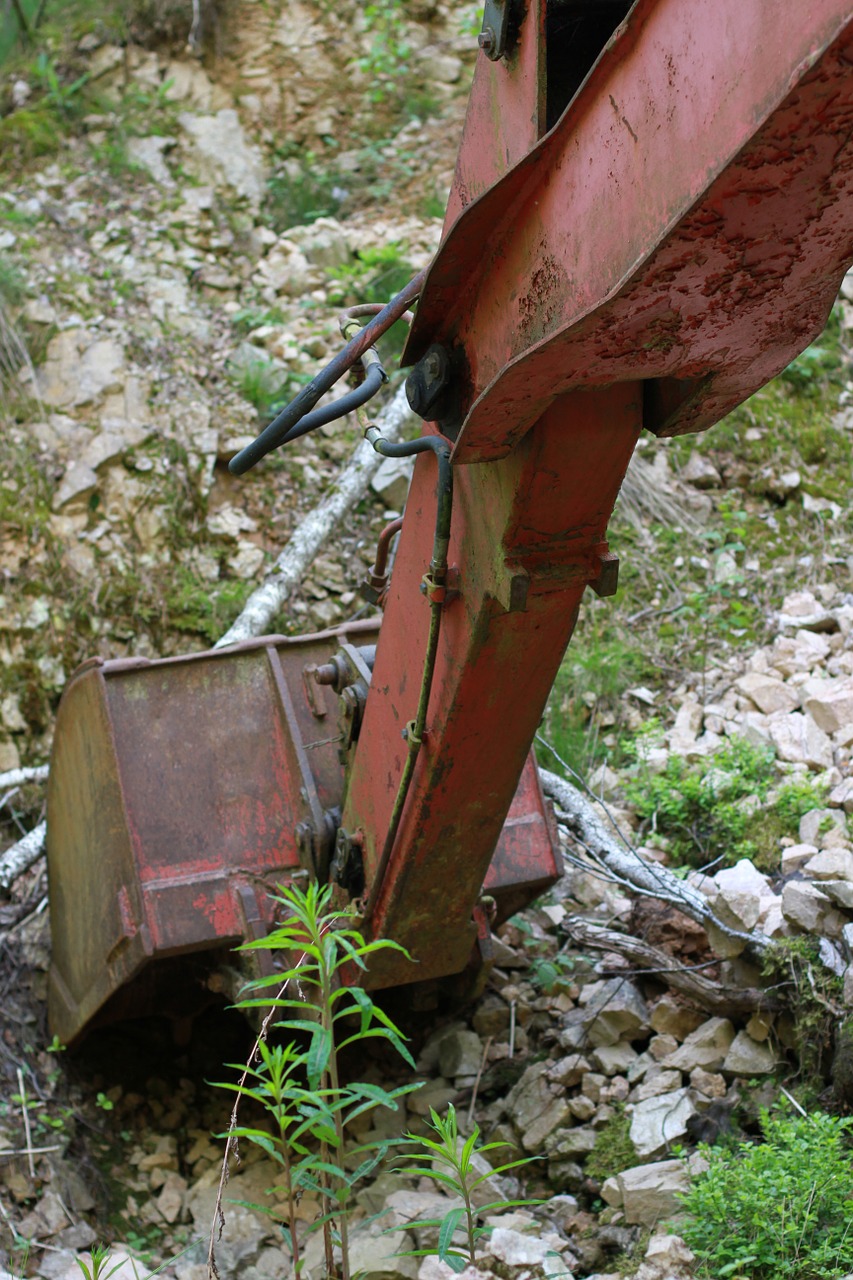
[{"x": 673, "y": 242}]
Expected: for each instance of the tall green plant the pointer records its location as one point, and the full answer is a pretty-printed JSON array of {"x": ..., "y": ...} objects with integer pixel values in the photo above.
[
  {"x": 321, "y": 1012},
  {"x": 454, "y": 1167}
]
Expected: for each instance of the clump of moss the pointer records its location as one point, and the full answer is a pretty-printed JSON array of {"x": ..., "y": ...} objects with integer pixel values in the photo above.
[{"x": 613, "y": 1150}]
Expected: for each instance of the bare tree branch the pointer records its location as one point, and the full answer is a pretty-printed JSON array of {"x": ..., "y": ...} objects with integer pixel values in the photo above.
[
  {"x": 723, "y": 1001},
  {"x": 630, "y": 870},
  {"x": 21, "y": 856}
]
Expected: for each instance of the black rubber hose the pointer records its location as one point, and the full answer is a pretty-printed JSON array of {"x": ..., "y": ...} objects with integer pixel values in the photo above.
[
  {"x": 280, "y": 432},
  {"x": 441, "y": 449},
  {"x": 343, "y": 361}
]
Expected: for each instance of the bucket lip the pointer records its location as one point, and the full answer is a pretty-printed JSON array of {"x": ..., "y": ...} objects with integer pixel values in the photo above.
[{"x": 117, "y": 666}]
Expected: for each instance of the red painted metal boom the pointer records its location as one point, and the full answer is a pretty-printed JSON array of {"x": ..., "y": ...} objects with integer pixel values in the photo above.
[{"x": 673, "y": 241}]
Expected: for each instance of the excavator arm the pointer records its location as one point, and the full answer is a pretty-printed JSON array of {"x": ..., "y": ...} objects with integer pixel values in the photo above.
[{"x": 650, "y": 217}]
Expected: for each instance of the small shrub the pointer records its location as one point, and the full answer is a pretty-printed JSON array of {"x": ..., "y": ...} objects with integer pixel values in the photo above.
[
  {"x": 811, "y": 992},
  {"x": 300, "y": 192},
  {"x": 700, "y": 808},
  {"x": 297, "y": 1081},
  {"x": 778, "y": 1209}
]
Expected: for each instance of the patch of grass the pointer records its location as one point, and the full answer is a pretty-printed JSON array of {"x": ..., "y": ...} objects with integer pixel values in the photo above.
[
  {"x": 301, "y": 191},
  {"x": 376, "y": 275},
  {"x": 587, "y": 700},
  {"x": 199, "y": 608},
  {"x": 249, "y": 318},
  {"x": 265, "y": 384},
  {"x": 778, "y": 1209},
  {"x": 789, "y": 803}
]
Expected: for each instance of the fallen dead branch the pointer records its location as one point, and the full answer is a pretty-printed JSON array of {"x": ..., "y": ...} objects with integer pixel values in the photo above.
[
  {"x": 317, "y": 527},
  {"x": 21, "y": 856},
  {"x": 722, "y": 1001},
  {"x": 615, "y": 859},
  {"x": 20, "y": 777}
]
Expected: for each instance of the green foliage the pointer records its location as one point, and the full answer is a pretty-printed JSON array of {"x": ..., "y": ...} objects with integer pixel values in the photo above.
[
  {"x": 779, "y": 1209},
  {"x": 820, "y": 364},
  {"x": 197, "y": 607},
  {"x": 301, "y": 191},
  {"x": 11, "y": 282},
  {"x": 812, "y": 993},
  {"x": 376, "y": 275},
  {"x": 613, "y": 1150},
  {"x": 98, "y": 1267},
  {"x": 701, "y": 808},
  {"x": 453, "y": 1167},
  {"x": 265, "y": 384},
  {"x": 549, "y": 972},
  {"x": 297, "y": 1080},
  {"x": 249, "y": 318},
  {"x": 386, "y": 61}
]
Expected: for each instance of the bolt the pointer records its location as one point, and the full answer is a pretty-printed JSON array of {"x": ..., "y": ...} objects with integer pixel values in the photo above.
[
  {"x": 428, "y": 380},
  {"x": 487, "y": 40},
  {"x": 351, "y": 702},
  {"x": 325, "y": 674}
]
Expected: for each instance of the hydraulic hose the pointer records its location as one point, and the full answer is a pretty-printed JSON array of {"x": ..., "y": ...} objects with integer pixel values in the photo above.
[
  {"x": 435, "y": 582},
  {"x": 278, "y": 432},
  {"x": 302, "y": 404}
]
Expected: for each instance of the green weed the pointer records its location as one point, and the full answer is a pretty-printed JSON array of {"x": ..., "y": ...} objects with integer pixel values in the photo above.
[
  {"x": 264, "y": 384},
  {"x": 700, "y": 808},
  {"x": 301, "y": 191},
  {"x": 386, "y": 62},
  {"x": 297, "y": 1080},
  {"x": 587, "y": 697},
  {"x": 779, "y": 1209},
  {"x": 793, "y": 967},
  {"x": 453, "y": 1167}
]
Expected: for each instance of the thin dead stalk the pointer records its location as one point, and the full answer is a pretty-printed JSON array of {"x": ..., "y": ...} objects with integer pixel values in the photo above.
[{"x": 27, "y": 1131}]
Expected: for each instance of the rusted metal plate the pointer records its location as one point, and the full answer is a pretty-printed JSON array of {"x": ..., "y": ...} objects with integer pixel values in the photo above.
[
  {"x": 687, "y": 223},
  {"x": 526, "y": 861},
  {"x": 175, "y": 790}
]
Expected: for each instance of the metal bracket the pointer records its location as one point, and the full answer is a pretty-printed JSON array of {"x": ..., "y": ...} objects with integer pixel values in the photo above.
[
  {"x": 493, "y": 38},
  {"x": 607, "y": 581}
]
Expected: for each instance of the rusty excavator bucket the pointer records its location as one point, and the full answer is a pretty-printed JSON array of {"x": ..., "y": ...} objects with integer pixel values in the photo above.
[{"x": 182, "y": 792}]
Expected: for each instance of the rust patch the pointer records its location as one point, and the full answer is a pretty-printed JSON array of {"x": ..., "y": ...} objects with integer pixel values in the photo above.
[{"x": 540, "y": 305}]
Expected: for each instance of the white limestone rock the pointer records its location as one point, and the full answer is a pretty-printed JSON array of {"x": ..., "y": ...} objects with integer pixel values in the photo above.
[
  {"x": 706, "y": 1047},
  {"x": 659, "y": 1122},
  {"x": 830, "y": 864},
  {"x": 799, "y": 740},
  {"x": 767, "y": 693},
  {"x": 748, "y": 1057},
  {"x": 647, "y": 1193}
]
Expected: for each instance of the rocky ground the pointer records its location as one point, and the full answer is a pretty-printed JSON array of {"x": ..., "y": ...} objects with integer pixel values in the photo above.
[{"x": 173, "y": 253}]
